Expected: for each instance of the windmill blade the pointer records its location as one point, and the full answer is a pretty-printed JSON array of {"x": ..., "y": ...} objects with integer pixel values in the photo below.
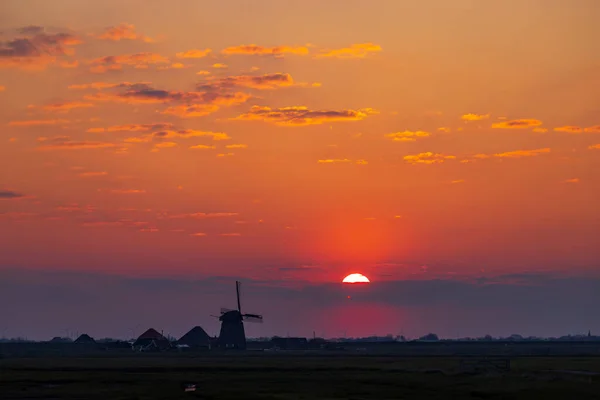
[
  {"x": 238, "y": 289},
  {"x": 226, "y": 310}
]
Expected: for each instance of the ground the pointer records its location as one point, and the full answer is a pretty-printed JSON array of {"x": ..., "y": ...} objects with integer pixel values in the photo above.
[{"x": 277, "y": 376}]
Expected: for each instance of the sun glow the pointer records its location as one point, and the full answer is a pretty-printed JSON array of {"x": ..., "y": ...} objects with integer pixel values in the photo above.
[{"x": 356, "y": 278}]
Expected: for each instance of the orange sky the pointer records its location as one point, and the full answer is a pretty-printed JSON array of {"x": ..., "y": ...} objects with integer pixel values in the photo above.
[{"x": 300, "y": 140}]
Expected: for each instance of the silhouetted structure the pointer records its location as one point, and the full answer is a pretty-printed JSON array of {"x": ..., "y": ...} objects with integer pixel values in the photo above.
[
  {"x": 195, "y": 338},
  {"x": 151, "y": 340},
  {"x": 289, "y": 343},
  {"x": 232, "y": 334},
  {"x": 84, "y": 339}
]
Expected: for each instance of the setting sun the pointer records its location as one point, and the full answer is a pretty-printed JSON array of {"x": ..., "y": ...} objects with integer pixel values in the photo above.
[{"x": 356, "y": 278}]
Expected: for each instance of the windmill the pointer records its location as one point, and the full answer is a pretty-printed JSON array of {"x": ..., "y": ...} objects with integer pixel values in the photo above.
[{"x": 232, "y": 334}]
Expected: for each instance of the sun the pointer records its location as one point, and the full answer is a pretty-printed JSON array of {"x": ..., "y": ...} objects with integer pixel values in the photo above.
[{"x": 356, "y": 278}]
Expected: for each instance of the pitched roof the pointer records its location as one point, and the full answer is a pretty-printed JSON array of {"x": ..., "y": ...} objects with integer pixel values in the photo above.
[
  {"x": 85, "y": 338},
  {"x": 151, "y": 334},
  {"x": 195, "y": 337}
]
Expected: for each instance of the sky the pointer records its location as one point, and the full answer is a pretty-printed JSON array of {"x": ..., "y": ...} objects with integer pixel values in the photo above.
[{"x": 154, "y": 152}]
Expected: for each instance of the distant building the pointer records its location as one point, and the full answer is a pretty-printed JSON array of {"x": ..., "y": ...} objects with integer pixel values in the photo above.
[
  {"x": 151, "y": 340},
  {"x": 195, "y": 338},
  {"x": 84, "y": 339}
]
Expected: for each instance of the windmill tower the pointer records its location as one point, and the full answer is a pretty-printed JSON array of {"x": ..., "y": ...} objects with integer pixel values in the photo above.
[{"x": 232, "y": 334}]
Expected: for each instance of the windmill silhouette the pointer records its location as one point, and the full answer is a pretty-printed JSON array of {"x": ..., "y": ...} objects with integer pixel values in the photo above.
[{"x": 232, "y": 334}]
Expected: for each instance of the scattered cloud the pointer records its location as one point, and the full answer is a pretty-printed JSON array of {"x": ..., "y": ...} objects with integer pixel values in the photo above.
[
  {"x": 195, "y": 53},
  {"x": 569, "y": 129},
  {"x": 593, "y": 129},
  {"x": 123, "y": 32},
  {"x": 203, "y": 215},
  {"x": 36, "y": 49},
  {"x": 359, "y": 50},
  {"x": 594, "y": 147},
  {"x": 190, "y": 133},
  {"x": 198, "y": 234},
  {"x": 301, "y": 116},
  {"x": 116, "y": 63},
  {"x": 444, "y": 129},
  {"x": 63, "y": 107},
  {"x": 69, "y": 64},
  {"x": 225, "y": 154},
  {"x": 540, "y": 130},
  {"x": 522, "y": 153},
  {"x": 517, "y": 124},
  {"x": 92, "y": 174},
  {"x": 165, "y": 145},
  {"x": 139, "y": 127},
  {"x": 236, "y": 146},
  {"x": 220, "y": 66},
  {"x": 38, "y": 122},
  {"x": 202, "y": 147},
  {"x": 127, "y": 191},
  {"x": 194, "y": 104},
  {"x": 427, "y": 158},
  {"x": 457, "y": 181},
  {"x": 2, "y": 88},
  {"x": 203, "y": 72},
  {"x": 260, "y": 82},
  {"x": 10, "y": 195},
  {"x": 573, "y": 180},
  {"x": 62, "y": 143},
  {"x": 104, "y": 85},
  {"x": 230, "y": 234},
  {"x": 406, "y": 136},
  {"x": 334, "y": 161},
  {"x": 253, "y": 49},
  {"x": 474, "y": 117}
]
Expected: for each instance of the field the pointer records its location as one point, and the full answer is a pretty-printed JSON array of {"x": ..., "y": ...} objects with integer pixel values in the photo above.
[{"x": 280, "y": 376}]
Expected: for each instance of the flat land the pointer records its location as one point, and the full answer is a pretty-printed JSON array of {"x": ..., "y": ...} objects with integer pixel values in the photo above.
[{"x": 281, "y": 376}]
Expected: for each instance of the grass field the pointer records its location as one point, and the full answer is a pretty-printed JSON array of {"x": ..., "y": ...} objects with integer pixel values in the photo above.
[{"x": 292, "y": 377}]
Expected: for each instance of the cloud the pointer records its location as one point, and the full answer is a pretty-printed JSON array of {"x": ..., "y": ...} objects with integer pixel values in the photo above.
[
  {"x": 92, "y": 174},
  {"x": 225, "y": 154},
  {"x": 569, "y": 129},
  {"x": 203, "y": 72},
  {"x": 427, "y": 158},
  {"x": 406, "y": 136},
  {"x": 301, "y": 116},
  {"x": 236, "y": 146},
  {"x": 540, "y": 130},
  {"x": 573, "y": 180},
  {"x": 64, "y": 107},
  {"x": 38, "y": 122},
  {"x": 220, "y": 66},
  {"x": 253, "y": 49},
  {"x": 230, "y": 234},
  {"x": 261, "y": 82},
  {"x": 517, "y": 124},
  {"x": 202, "y": 147},
  {"x": 360, "y": 50},
  {"x": 474, "y": 117},
  {"x": 194, "y": 104},
  {"x": 10, "y": 195},
  {"x": 195, "y": 53},
  {"x": 522, "y": 153},
  {"x": 139, "y": 127},
  {"x": 123, "y": 32},
  {"x": 104, "y": 85},
  {"x": 593, "y": 129},
  {"x": 334, "y": 161},
  {"x": 457, "y": 181},
  {"x": 116, "y": 63},
  {"x": 127, "y": 191},
  {"x": 165, "y": 145},
  {"x": 190, "y": 133},
  {"x": 203, "y": 215},
  {"x": 2, "y": 88},
  {"x": 36, "y": 49},
  {"x": 101, "y": 224},
  {"x": 69, "y": 64},
  {"x": 198, "y": 234},
  {"x": 594, "y": 147},
  {"x": 66, "y": 144}
]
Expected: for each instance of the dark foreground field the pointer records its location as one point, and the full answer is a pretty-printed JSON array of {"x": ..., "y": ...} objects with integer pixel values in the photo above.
[{"x": 292, "y": 377}]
